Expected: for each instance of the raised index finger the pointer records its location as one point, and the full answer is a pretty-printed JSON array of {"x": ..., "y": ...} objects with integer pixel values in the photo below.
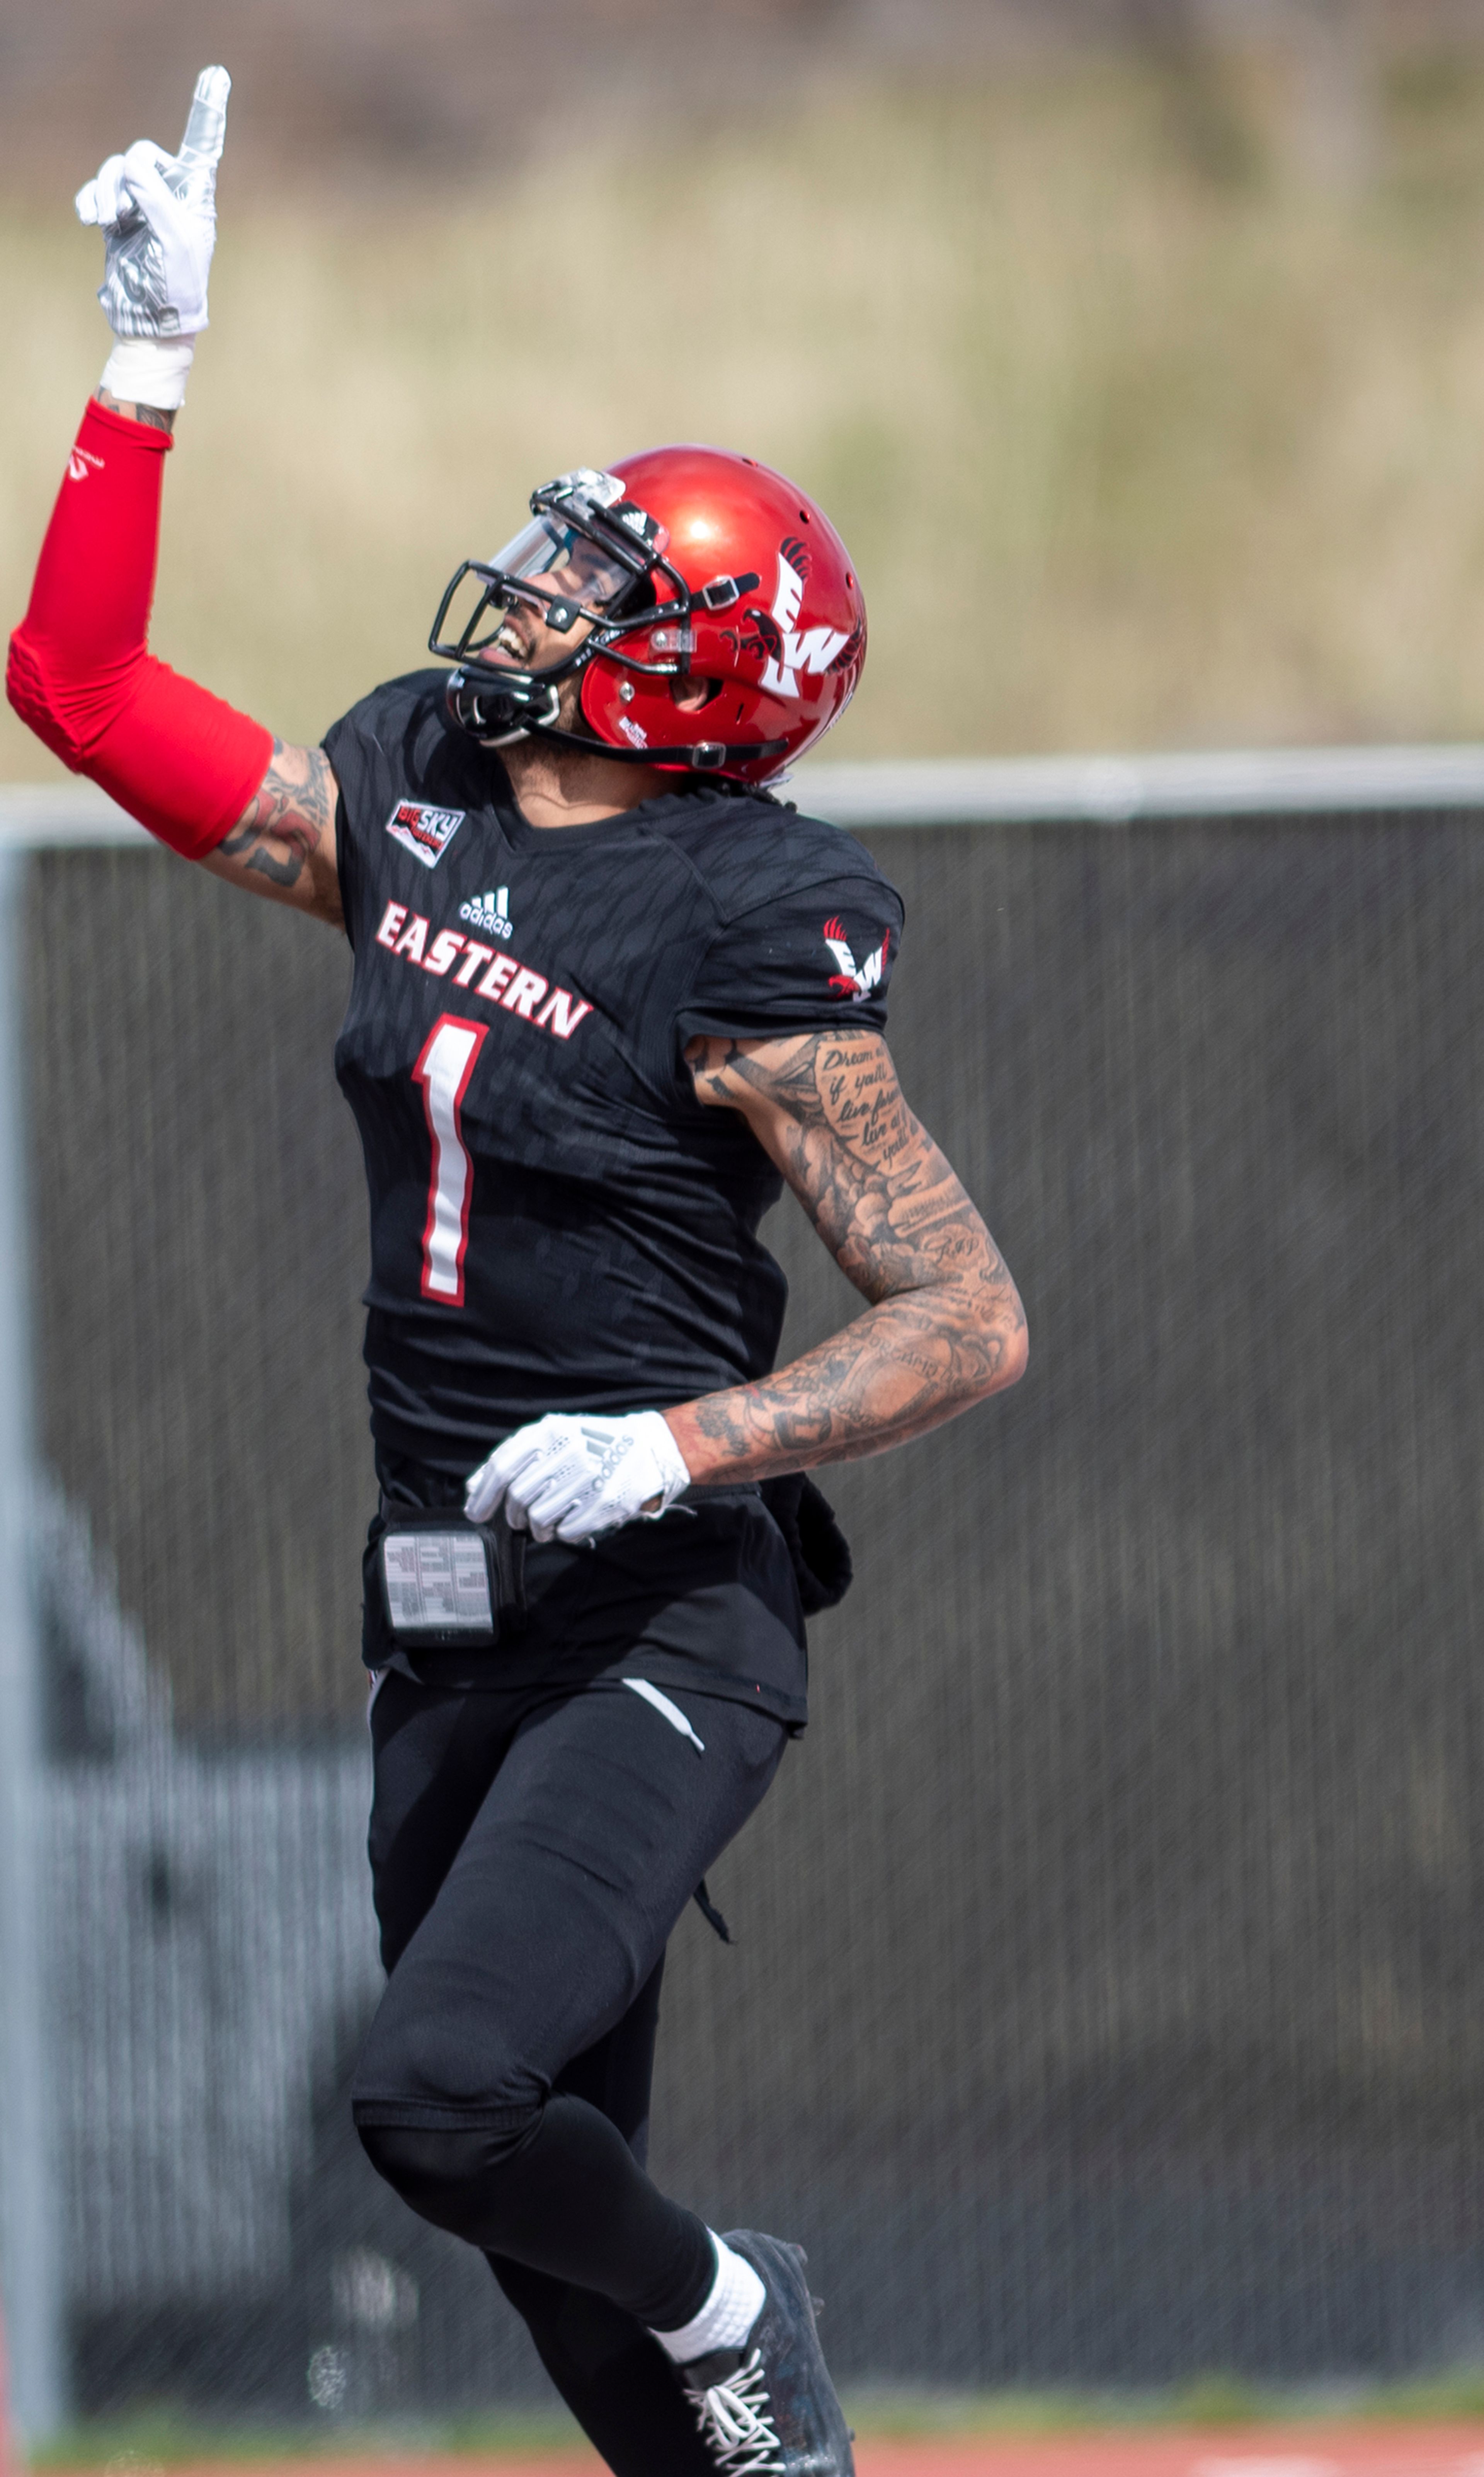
[{"x": 206, "y": 125}]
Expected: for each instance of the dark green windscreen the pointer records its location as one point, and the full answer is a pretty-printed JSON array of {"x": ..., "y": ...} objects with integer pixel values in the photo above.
[{"x": 1104, "y": 2002}]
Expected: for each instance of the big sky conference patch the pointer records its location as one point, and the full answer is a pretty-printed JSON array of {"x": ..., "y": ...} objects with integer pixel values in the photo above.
[{"x": 426, "y": 833}]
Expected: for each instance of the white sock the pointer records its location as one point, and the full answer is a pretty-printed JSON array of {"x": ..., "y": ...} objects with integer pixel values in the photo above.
[{"x": 736, "y": 2300}]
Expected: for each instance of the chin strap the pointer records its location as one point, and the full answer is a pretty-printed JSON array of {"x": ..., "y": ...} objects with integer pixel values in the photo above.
[
  {"x": 495, "y": 717},
  {"x": 700, "y": 756}
]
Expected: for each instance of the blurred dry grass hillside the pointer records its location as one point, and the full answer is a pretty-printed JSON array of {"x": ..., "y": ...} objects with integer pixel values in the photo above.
[
  {"x": 430, "y": 91},
  {"x": 1149, "y": 399},
  {"x": 433, "y": 91}
]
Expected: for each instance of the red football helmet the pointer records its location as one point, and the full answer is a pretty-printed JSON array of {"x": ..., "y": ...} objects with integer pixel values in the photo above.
[{"x": 686, "y": 563}]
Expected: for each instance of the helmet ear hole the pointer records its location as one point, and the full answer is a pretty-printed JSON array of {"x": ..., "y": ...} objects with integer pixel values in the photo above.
[{"x": 690, "y": 695}]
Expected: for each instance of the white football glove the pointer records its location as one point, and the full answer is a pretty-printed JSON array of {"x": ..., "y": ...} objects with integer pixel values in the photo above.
[
  {"x": 158, "y": 218},
  {"x": 573, "y": 1477}
]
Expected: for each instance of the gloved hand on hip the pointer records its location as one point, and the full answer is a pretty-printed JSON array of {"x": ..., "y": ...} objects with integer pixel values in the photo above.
[{"x": 574, "y": 1476}]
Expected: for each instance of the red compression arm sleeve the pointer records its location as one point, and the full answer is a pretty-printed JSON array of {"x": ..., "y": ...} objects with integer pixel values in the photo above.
[{"x": 81, "y": 673}]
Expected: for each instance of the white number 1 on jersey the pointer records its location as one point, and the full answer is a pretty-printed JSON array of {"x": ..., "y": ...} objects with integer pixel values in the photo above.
[{"x": 443, "y": 1071}]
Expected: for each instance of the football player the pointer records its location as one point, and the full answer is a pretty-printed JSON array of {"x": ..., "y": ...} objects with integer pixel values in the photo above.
[{"x": 609, "y": 995}]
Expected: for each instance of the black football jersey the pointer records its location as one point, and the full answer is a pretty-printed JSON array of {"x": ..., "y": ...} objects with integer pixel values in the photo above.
[{"x": 557, "y": 1223}]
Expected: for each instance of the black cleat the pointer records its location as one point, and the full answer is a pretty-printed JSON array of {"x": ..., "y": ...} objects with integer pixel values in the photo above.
[{"x": 769, "y": 2408}]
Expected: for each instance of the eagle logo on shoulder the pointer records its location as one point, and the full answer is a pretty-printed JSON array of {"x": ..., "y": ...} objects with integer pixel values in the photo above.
[{"x": 849, "y": 979}]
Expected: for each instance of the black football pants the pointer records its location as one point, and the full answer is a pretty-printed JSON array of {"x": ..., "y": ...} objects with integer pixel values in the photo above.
[{"x": 531, "y": 1854}]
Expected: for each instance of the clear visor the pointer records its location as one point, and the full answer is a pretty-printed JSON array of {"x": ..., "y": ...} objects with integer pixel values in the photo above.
[
  {"x": 556, "y": 579},
  {"x": 564, "y": 563},
  {"x": 555, "y": 572}
]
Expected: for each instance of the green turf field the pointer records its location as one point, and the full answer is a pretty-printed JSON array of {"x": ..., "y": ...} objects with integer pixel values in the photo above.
[{"x": 134, "y": 2446}]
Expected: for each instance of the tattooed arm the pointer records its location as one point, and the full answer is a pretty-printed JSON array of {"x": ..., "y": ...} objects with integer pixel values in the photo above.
[
  {"x": 155, "y": 416},
  {"x": 283, "y": 845},
  {"x": 945, "y": 1326}
]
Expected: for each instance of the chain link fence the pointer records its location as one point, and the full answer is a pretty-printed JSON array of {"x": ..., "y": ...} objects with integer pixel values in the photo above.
[{"x": 1103, "y": 2005}]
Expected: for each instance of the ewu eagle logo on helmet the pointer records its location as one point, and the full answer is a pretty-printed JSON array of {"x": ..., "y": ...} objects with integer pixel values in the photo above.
[{"x": 787, "y": 650}]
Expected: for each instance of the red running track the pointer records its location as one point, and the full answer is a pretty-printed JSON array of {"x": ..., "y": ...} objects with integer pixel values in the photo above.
[
  {"x": 1310, "y": 2451},
  {"x": 1303, "y": 2451}
]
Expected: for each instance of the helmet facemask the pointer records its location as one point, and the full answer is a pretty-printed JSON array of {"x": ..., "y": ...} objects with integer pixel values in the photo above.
[{"x": 586, "y": 560}]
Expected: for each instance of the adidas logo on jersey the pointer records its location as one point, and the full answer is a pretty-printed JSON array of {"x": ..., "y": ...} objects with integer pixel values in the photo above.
[{"x": 490, "y": 912}]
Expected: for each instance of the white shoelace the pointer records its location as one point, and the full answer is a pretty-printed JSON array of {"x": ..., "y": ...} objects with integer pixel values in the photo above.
[{"x": 734, "y": 2421}]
